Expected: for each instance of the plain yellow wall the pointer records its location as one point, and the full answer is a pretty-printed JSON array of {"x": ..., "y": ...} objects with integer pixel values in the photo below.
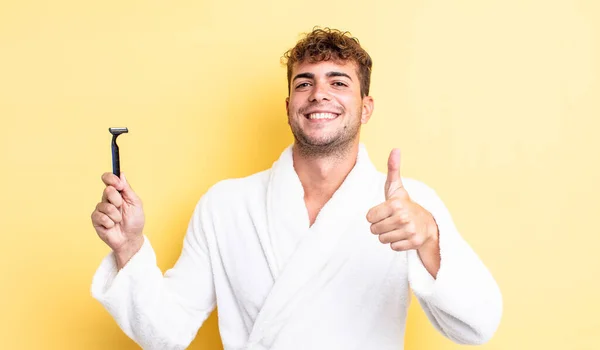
[{"x": 495, "y": 104}]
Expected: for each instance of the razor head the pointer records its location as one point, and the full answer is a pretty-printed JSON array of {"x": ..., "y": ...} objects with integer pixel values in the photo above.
[{"x": 118, "y": 131}]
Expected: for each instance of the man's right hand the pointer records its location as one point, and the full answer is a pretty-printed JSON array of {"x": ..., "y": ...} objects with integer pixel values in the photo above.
[{"x": 119, "y": 218}]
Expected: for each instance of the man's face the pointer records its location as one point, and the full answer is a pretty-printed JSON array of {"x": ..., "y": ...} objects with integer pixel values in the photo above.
[{"x": 325, "y": 109}]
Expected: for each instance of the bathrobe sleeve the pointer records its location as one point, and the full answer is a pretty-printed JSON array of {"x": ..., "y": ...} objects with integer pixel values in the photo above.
[
  {"x": 156, "y": 311},
  {"x": 464, "y": 302}
]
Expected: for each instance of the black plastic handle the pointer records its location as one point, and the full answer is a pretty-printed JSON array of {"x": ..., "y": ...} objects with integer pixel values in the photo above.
[{"x": 116, "y": 163}]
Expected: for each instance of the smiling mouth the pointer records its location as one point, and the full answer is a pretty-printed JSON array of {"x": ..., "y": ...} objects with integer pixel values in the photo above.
[{"x": 321, "y": 116}]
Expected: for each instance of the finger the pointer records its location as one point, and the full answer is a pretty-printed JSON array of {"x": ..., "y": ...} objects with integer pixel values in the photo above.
[
  {"x": 393, "y": 175},
  {"x": 379, "y": 212},
  {"x": 407, "y": 244},
  {"x": 394, "y": 236},
  {"x": 401, "y": 246},
  {"x": 111, "y": 179},
  {"x": 101, "y": 220},
  {"x": 111, "y": 195},
  {"x": 391, "y": 223},
  {"x": 394, "y": 180},
  {"x": 128, "y": 193},
  {"x": 102, "y": 231},
  {"x": 111, "y": 211}
]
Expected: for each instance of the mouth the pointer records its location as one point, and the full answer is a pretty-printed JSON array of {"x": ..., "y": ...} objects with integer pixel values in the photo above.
[{"x": 321, "y": 116}]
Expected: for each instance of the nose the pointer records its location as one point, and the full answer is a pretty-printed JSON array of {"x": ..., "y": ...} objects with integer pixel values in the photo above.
[{"x": 319, "y": 93}]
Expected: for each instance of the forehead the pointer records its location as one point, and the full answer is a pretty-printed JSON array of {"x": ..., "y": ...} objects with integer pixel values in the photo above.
[{"x": 324, "y": 67}]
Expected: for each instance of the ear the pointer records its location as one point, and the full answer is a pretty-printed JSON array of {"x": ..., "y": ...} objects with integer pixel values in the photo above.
[
  {"x": 287, "y": 106},
  {"x": 368, "y": 104}
]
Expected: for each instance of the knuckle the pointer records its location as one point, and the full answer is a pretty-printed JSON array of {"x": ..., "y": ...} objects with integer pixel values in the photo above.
[
  {"x": 110, "y": 208},
  {"x": 400, "y": 219},
  {"x": 405, "y": 219},
  {"x": 396, "y": 204},
  {"x": 102, "y": 207},
  {"x": 416, "y": 241},
  {"x": 107, "y": 221}
]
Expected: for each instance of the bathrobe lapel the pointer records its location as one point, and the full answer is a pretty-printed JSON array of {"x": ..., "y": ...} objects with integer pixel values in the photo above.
[{"x": 288, "y": 219}]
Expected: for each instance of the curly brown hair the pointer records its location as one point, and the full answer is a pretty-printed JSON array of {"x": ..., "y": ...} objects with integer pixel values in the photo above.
[{"x": 331, "y": 44}]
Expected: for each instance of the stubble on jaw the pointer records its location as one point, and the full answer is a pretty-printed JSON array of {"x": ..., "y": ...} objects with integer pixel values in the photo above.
[{"x": 337, "y": 147}]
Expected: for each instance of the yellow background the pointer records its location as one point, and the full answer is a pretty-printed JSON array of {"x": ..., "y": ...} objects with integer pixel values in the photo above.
[{"x": 495, "y": 104}]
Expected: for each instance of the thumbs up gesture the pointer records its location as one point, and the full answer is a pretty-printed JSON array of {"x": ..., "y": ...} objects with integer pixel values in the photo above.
[{"x": 399, "y": 221}]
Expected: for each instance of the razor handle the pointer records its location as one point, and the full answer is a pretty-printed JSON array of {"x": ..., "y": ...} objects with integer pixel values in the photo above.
[{"x": 115, "y": 160}]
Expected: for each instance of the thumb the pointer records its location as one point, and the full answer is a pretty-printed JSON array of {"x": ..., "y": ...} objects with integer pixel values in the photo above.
[
  {"x": 394, "y": 181},
  {"x": 128, "y": 193}
]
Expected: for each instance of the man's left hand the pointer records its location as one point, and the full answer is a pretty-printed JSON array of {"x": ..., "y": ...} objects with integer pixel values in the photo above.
[{"x": 400, "y": 221}]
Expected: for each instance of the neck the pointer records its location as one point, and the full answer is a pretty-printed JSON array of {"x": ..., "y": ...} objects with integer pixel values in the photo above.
[{"x": 322, "y": 175}]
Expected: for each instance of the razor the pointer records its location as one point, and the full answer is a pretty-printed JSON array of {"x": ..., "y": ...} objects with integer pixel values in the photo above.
[{"x": 115, "y": 149}]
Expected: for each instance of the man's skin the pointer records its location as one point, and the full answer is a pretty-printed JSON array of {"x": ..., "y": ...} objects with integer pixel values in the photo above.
[{"x": 325, "y": 111}]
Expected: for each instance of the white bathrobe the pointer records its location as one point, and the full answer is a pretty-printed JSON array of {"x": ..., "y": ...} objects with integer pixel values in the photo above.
[{"x": 282, "y": 285}]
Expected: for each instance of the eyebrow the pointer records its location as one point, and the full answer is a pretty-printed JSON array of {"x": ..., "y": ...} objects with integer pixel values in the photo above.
[
  {"x": 329, "y": 75},
  {"x": 304, "y": 75},
  {"x": 338, "y": 74}
]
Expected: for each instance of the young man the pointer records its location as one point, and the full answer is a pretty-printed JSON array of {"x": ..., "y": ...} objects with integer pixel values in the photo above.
[{"x": 298, "y": 256}]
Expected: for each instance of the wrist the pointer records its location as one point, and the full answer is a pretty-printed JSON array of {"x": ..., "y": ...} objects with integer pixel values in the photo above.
[
  {"x": 429, "y": 252},
  {"x": 433, "y": 231},
  {"x": 431, "y": 243},
  {"x": 127, "y": 251}
]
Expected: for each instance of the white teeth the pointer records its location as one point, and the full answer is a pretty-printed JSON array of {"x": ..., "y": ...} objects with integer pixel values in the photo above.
[{"x": 321, "y": 116}]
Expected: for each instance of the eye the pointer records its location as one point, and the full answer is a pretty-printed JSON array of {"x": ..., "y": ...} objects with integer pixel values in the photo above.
[
  {"x": 340, "y": 84},
  {"x": 302, "y": 85}
]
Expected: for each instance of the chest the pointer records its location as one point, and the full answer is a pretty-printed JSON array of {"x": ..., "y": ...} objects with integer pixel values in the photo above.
[{"x": 356, "y": 269}]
